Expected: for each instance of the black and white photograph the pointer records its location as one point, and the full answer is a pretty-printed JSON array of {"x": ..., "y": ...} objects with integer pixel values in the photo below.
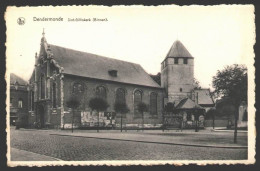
[{"x": 130, "y": 85}]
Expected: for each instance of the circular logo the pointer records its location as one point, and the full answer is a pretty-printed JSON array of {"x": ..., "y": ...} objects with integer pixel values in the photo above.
[{"x": 21, "y": 21}]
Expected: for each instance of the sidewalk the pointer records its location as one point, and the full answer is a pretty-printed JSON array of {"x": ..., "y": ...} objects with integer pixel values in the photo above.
[
  {"x": 226, "y": 130},
  {"x": 22, "y": 155},
  {"x": 204, "y": 138}
]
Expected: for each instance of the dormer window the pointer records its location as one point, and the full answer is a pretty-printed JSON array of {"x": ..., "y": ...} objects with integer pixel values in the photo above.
[{"x": 112, "y": 73}]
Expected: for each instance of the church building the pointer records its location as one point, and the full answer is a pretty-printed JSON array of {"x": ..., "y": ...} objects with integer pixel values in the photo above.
[{"x": 60, "y": 73}]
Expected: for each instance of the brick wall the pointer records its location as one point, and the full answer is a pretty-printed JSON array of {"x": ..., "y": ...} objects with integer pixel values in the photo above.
[{"x": 15, "y": 95}]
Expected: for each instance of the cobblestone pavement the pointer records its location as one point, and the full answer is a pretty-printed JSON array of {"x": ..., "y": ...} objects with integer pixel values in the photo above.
[
  {"x": 188, "y": 137},
  {"x": 86, "y": 149},
  {"x": 22, "y": 155}
]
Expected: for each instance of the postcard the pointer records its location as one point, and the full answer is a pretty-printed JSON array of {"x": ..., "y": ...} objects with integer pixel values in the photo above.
[{"x": 130, "y": 85}]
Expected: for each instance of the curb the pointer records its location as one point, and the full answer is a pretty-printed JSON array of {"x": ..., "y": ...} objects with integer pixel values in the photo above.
[
  {"x": 217, "y": 130},
  {"x": 153, "y": 142}
]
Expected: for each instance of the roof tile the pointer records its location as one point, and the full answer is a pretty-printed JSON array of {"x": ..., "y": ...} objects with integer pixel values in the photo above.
[{"x": 95, "y": 66}]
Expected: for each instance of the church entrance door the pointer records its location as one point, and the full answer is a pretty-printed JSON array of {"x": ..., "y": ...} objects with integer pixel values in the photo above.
[{"x": 41, "y": 113}]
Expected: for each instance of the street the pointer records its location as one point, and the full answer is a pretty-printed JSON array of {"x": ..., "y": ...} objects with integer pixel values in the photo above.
[{"x": 80, "y": 148}]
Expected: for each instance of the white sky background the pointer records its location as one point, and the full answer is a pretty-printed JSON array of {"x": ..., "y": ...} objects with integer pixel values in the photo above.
[{"x": 215, "y": 35}]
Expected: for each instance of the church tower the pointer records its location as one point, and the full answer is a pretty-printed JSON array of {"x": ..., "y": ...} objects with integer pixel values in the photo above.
[{"x": 177, "y": 72}]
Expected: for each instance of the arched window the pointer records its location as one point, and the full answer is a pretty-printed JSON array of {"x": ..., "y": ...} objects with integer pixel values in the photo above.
[
  {"x": 153, "y": 103},
  {"x": 101, "y": 92},
  {"x": 78, "y": 88},
  {"x": 245, "y": 116},
  {"x": 20, "y": 103},
  {"x": 42, "y": 82},
  {"x": 32, "y": 100},
  {"x": 54, "y": 95},
  {"x": 120, "y": 95},
  {"x": 137, "y": 100}
]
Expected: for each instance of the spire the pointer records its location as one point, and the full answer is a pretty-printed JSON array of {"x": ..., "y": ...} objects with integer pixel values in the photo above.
[
  {"x": 178, "y": 50},
  {"x": 43, "y": 39},
  {"x": 43, "y": 33}
]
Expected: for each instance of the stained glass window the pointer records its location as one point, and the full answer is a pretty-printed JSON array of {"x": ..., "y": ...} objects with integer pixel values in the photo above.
[
  {"x": 54, "y": 95},
  {"x": 120, "y": 95},
  {"x": 101, "y": 92},
  {"x": 42, "y": 80}
]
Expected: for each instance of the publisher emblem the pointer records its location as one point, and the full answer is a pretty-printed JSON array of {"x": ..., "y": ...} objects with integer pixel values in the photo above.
[{"x": 21, "y": 21}]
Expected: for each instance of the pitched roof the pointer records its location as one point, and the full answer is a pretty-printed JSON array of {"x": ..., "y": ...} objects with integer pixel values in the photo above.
[
  {"x": 187, "y": 103},
  {"x": 14, "y": 78},
  {"x": 204, "y": 97},
  {"x": 95, "y": 66},
  {"x": 178, "y": 50}
]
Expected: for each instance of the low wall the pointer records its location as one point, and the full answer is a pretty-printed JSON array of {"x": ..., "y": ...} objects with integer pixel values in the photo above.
[{"x": 217, "y": 122}]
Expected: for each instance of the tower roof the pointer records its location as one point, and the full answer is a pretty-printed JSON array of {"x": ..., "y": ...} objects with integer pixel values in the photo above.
[{"x": 178, "y": 50}]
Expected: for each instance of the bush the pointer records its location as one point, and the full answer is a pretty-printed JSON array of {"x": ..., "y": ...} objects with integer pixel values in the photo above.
[
  {"x": 73, "y": 102},
  {"x": 98, "y": 104},
  {"x": 121, "y": 107}
]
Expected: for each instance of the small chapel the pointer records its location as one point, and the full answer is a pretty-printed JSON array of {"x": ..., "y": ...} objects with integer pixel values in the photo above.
[{"x": 61, "y": 72}]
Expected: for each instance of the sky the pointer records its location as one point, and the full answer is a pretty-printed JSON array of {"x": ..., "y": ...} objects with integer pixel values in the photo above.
[{"x": 215, "y": 36}]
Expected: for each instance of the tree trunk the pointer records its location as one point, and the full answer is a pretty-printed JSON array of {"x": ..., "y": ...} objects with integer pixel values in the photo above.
[
  {"x": 196, "y": 126},
  {"x": 143, "y": 121},
  {"x": 121, "y": 122},
  {"x": 98, "y": 122},
  {"x": 236, "y": 118},
  {"x": 213, "y": 119},
  {"x": 163, "y": 122},
  {"x": 72, "y": 122}
]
